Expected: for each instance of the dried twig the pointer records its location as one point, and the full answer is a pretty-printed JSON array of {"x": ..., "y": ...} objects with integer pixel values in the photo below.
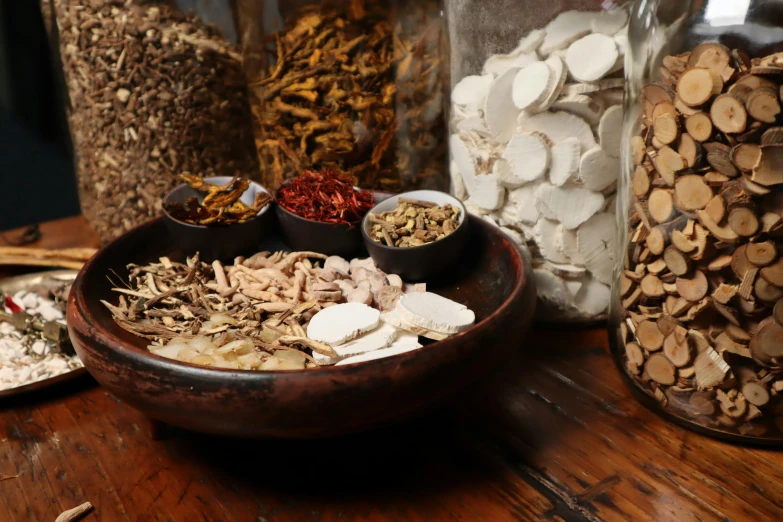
[{"x": 74, "y": 514}]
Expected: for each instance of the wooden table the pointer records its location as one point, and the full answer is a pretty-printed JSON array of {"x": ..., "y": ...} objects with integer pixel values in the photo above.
[{"x": 554, "y": 436}]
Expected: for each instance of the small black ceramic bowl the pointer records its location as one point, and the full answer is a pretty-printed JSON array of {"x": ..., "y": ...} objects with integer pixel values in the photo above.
[
  {"x": 302, "y": 234},
  {"x": 217, "y": 242},
  {"x": 421, "y": 262}
]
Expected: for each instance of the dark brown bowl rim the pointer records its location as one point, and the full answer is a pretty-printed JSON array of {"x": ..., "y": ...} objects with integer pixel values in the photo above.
[
  {"x": 350, "y": 224},
  {"x": 261, "y": 212},
  {"x": 420, "y": 248},
  {"x": 103, "y": 337}
]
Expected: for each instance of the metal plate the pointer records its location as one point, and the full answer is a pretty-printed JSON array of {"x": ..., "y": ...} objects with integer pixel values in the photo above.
[{"x": 12, "y": 285}]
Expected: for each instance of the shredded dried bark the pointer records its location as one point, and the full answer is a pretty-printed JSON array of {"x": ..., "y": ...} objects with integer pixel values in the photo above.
[{"x": 357, "y": 89}]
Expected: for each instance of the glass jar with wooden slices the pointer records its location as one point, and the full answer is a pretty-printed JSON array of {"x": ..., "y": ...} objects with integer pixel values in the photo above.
[
  {"x": 697, "y": 313},
  {"x": 355, "y": 86},
  {"x": 536, "y": 120}
]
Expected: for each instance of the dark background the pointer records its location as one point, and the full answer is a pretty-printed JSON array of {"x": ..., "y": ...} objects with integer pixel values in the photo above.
[{"x": 36, "y": 171}]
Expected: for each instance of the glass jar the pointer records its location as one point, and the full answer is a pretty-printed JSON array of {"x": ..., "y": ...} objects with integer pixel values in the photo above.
[
  {"x": 154, "y": 88},
  {"x": 352, "y": 85},
  {"x": 697, "y": 313},
  {"x": 535, "y": 126}
]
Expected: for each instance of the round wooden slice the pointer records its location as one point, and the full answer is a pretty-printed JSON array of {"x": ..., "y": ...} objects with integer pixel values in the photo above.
[
  {"x": 743, "y": 221},
  {"x": 693, "y": 288},
  {"x": 765, "y": 291},
  {"x": 649, "y": 336},
  {"x": 773, "y": 274},
  {"x": 728, "y": 114},
  {"x": 661, "y": 205},
  {"x": 699, "y": 126},
  {"x": 761, "y": 254},
  {"x": 692, "y": 192},
  {"x": 695, "y": 86},
  {"x": 755, "y": 393},
  {"x": 677, "y": 262},
  {"x": 660, "y": 369},
  {"x": 778, "y": 312},
  {"x": 634, "y": 353},
  {"x": 656, "y": 240},
  {"x": 770, "y": 340}
]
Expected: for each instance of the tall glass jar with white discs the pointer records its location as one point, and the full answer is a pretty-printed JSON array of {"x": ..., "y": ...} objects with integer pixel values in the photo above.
[
  {"x": 536, "y": 121},
  {"x": 697, "y": 314}
]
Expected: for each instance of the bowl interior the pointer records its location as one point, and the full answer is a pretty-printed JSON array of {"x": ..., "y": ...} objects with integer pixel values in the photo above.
[
  {"x": 484, "y": 281},
  {"x": 184, "y": 192}
]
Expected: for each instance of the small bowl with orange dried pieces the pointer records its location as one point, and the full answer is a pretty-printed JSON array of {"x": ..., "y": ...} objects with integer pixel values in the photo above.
[{"x": 220, "y": 217}]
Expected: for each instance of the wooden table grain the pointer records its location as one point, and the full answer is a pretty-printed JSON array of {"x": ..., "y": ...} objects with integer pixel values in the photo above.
[{"x": 554, "y": 435}]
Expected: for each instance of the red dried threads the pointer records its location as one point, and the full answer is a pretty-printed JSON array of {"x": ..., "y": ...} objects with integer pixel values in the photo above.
[
  {"x": 325, "y": 196},
  {"x": 12, "y": 305}
]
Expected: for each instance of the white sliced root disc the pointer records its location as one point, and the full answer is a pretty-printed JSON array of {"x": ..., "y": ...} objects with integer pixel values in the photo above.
[
  {"x": 570, "y": 89},
  {"x": 457, "y": 183},
  {"x": 590, "y": 58},
  {"x": 471, "y": 90},
  {"x": 560, "y": 74},
  {"x": 528, "y": 156},
  {"x": 340, "y": 323},
  {"x": 596, "y": 240},
  {"x": 484, "y": 190},
  {"x": 398, "y": 347},
  {"x": 564, "y": 29},
  {"x": 461, "y": 156},
  {"x": 521, "y": 205},
  {"x": 568, "y": 246},
  {"x": 435, "y": 312},
  {"x": 610, "y": 130},
  {"x": 566, "y": 270},
  {"x": 546, "y": 238},
  {"x": 573, "y": 286},
  {"x": 529, "y": 43},
  {"x": 557, "y": 126},
  {"x": 593, "y": 297},
  {"x": 381, "y": 337},
  {"x": 532, "y": 85},
  {"x": 564, "y": 163},
  {"x": 580, "y": 105},
  {"x": 609, "y": 22},
  {"x": 395, "y": 319},
  {"x": 598, "y": 170},
  {"x": 499, "y": 110},
  {"x": 551, "y": 288},
  {"x": 571, "y": 204},
  {"x": 475, "y": 124}
]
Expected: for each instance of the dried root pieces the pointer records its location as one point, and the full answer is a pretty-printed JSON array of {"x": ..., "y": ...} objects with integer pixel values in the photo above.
[{"x": 277, "y": 311}]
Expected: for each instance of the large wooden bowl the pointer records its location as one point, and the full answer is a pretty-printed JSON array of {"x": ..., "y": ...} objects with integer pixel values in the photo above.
[{"x": 492, "y": 279}]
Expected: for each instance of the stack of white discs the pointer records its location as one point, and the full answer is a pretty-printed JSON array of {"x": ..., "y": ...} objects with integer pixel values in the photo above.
[{"x": 535, "y": 149}]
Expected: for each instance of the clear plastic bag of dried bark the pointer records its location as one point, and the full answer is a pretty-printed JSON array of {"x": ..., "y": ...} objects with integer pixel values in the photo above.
[
  {"x": 698, "y": 304},
  {"x": 536, "y": 120},
  {"x": 153, "y": 89},
  {"x": 353, "y": 85}
]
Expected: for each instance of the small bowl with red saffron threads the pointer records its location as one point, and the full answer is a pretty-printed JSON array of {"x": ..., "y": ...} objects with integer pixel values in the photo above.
[{"x": 322, "y": 211}]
